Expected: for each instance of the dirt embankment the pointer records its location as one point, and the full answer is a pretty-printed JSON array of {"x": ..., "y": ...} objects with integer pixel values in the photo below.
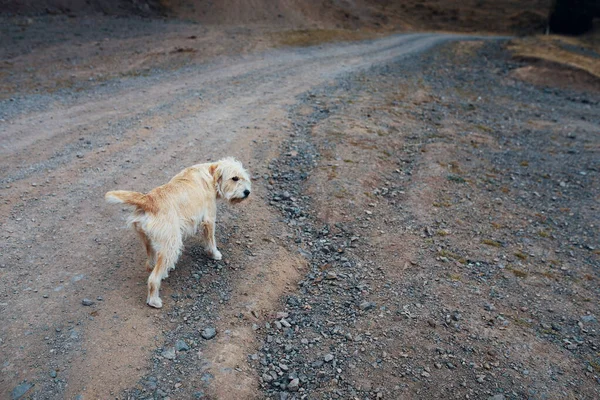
[{"x": 505, "y": 16}]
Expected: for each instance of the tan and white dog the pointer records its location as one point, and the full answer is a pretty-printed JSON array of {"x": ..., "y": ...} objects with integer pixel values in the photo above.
[{"x": 165, "y": 216}]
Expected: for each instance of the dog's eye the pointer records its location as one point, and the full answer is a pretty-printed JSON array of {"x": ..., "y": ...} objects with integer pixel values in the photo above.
[{"x": 235, "y": 179}]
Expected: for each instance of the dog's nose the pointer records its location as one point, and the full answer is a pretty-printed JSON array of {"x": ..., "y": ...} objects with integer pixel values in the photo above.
[{"x": 246, "y": 193}]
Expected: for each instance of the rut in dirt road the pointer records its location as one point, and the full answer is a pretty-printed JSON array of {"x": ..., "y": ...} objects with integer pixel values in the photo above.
[{"x": 61, "y": 152}]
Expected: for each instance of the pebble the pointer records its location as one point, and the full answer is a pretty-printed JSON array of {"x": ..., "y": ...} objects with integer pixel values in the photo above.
[
  {"x": 285, "y": 323},
  {"x": 497, "y": 397},
  {"x": 181, "y": 345},
  {"x": 87, "y": 302},
  {"x": 169, "y": 353},
  {"x": 53, "y": 374},
  {"x": 20, "y": 390},
  {"x": 588, "y": 318},
  {"x": 293, "y": 385},
  {"x": 328, "y": 357},
  {"x": 366, "y": 305},
  {"x": 331, "y": 275},
  {"x": 208, "y": 333}
]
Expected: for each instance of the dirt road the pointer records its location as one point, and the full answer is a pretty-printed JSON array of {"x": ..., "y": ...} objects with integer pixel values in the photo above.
[
  {"x": 62, "y": 244},
  {"x": 329, "y": 140}
]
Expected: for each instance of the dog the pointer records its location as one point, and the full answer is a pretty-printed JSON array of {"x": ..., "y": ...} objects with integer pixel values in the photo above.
[{"x": 168, "y": 214}]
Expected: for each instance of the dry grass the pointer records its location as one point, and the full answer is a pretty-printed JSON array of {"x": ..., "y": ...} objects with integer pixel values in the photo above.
[
  {"x": 555, "y": 48},
  {"x": 313, "y": 37}
]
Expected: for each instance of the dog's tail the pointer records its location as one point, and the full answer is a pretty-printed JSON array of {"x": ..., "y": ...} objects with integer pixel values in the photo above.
[{"x": 139, "y": 200}]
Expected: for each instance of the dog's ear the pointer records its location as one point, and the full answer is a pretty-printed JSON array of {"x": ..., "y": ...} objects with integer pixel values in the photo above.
[{"x": 216, "y": 173}]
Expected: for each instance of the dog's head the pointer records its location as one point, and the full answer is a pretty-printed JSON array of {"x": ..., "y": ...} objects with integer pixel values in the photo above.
[{"x": 231, "y": 180}]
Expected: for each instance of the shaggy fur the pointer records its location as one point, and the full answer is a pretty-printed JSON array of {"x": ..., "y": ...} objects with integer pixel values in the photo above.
[{"x": 165, "y": 216}]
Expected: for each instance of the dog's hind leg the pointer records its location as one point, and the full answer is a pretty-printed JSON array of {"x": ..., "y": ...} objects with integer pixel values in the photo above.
[
  {"x": 166, "y": 258},
  {"x": 208, "y": 232},
  {"x": 147, "y": 245}
]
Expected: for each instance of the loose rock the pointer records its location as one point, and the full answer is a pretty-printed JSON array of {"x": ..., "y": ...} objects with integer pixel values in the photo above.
[{"x": 208, "y": 333}]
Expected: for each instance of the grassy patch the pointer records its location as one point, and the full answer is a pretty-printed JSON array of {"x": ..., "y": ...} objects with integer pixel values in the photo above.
[
  {"x": 492, "y": 243},
  {"x": 518, "y": 273},
  {"x": 544, "y": 234},
  {"x": 448, "y": 254},
  {"x": 484, "y": 128},
  {"x": 520, "y": 255},
  {"x": 454, "y": 277},
  {"x": 555, "y": 48},
  {"x": 456, "y": 178}
]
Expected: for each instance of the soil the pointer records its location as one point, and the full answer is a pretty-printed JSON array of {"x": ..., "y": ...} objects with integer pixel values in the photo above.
[{"x": 423, "y": 222}]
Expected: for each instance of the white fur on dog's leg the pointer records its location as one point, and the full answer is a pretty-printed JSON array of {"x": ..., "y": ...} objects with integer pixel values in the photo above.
[
  {"x": 216, "y": 255},
  {"x": 155, "y": 302}
]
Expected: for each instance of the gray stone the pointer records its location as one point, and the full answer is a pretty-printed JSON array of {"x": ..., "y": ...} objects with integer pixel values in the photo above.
[
  {"x": 169, "y": 353},
  {"x": 53, "y": 374},
  {"x": 208, "y": 333},
  {"x": 87, "y": 302},
  {"x": 497, "y": 397},
  {"x": 588, "y": 318},
  {"x": 181, "y": 345},
  {"x": 285, "y": 324},
  {"x": 366, "y": 305},
  {"x": 293, "y": 385},
  {"x": 20, "y": 390},
  {"x": 328, "y": 357}
]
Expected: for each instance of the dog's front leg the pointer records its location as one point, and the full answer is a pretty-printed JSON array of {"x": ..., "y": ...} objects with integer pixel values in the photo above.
[{"x": 208, "y": 231}]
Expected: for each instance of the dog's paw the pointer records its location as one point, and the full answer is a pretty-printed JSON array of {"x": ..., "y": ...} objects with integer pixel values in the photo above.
[
  {"x": 155, "y": 302},
  {"x": 216, "y": 255}
]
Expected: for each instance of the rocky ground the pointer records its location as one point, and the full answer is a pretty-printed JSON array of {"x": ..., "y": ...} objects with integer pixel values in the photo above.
[
  {"x": 424, "y": 225},
  {"x": 451, "y": 229}
]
